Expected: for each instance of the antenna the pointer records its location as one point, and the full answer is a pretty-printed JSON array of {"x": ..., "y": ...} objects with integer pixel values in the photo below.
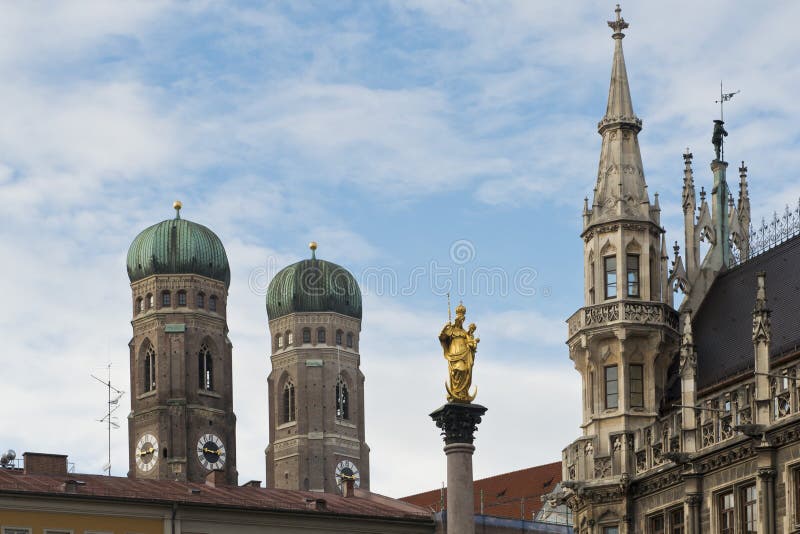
[
  {"x": 113, "y": 406},
  {"x": 724, "y": 97}
]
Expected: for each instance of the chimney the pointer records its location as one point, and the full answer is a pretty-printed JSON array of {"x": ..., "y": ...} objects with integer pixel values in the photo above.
[
  {"x": 349, "y": 487},
  {"x": 37, "y": 463},
  {"x": 216, "y": 478}
]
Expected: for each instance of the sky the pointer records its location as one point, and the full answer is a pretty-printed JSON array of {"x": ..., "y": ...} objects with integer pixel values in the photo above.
[{"x": 428, "y": 146}]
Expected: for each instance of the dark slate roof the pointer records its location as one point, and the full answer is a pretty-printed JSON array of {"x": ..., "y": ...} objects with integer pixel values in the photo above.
[
  {"x": 723, "y": 325},
  {"x": 92, "y": 487},
  {"x": 502, "y": 493}
]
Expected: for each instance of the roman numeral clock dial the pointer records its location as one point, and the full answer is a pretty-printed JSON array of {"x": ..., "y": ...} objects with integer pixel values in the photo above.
[
  {"x": 146, "y": 452},
  {"x": 347, "y": 470},
  {"x": 211, "y": 452}
]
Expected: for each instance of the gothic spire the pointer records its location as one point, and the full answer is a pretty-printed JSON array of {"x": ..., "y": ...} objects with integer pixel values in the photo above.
[{"x": 621, "y": 191}]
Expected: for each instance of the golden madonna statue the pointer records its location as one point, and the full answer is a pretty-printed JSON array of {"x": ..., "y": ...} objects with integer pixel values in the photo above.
[{"x": 459, "y": 348}]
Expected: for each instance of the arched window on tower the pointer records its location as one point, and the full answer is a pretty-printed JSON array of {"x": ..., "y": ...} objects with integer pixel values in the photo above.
[
  {"x": 149, "y": 302},
  {"x": 279, "y": 341},
  {"x": 306, "y": 335},
  {"x": 139, "y": 305},
  {"x": 288, "y": 403},
  {"x": 342, "y": 399},
  {"x": 289, "y": 338},
  {"x": 149, "y": 374},
  {"x": 212, "y": 303},
  {"x": 166, "y": 299},
  {"x": 338, "y": 338},
  {"x": 349, "y": 340},
  {"x": 201, "y": 300},
  {"x": 181, "y": 298},
  {"x": 321, "y": 335},
  {"x": 205, "y": 365}
]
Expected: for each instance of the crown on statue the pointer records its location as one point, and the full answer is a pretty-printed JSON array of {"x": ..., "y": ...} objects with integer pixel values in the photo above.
[{"x": 461, "y": 309}]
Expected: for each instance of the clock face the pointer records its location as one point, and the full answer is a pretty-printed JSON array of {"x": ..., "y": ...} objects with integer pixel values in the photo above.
[
  {"x": 347, "y": 470},
  {"x": 211, "y": 451},
  {"x": 146, "y": 452}
]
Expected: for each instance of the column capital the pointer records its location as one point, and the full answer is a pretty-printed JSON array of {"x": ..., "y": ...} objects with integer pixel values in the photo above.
[{"x": 458, "y": 421}]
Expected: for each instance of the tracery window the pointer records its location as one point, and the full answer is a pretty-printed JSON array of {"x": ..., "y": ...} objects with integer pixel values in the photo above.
[
  {"x": 288, "y": 403},
  {"x": 610, "y": 267},
  {"x": 149, "y": 370},
  {"x": 205, "y": 366},
  {"x": 342, "y": 399}
]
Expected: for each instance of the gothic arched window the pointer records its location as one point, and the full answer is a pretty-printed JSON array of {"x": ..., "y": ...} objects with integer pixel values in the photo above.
[
  {"x": 321, "y": 335},
  {"x": 349, "y": 340},
  {"x": 139, "y": 305},
  {"x": 338, "y": 338},
  {"x": 342, "y": 400},
  {"x": 149, "y": 301},
  {"x": 212, "y": 303},
  {"x": 306, "y": 335},
  {"x": 201, "y": 300},
  {"x": 288, "y": 403},
  {"x": 149, "y": 374},
  {"x": 181, "y": 298},
  {"x": 205, "y": 365},
  {"x": 279, "y": 341},
  {"x": 289, "y": 338}
]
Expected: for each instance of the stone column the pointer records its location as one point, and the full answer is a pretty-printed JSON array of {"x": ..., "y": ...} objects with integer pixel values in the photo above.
[
  {"x": 692, "y": 486},
  {"x": 766, "y": 491},
  {"x": 458, "y": 422}
]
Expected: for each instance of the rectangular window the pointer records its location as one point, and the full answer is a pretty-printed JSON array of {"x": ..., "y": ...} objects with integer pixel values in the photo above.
[
  {"x": 676, "y": 521},
  {"x": 637, "y": 385},
  {"x": 610, "y": 265},
  {"x": 726, "y": 516},
  {"x": 632, "y": 268},
  {"x": 201, "y": 300},
  {"x": 16, "y": 530},
  {"x": 749, "y": 499},
  {"x": 321, "y": 335},
  {"x": 656, "y": 524},
  {"x": 610, "y": 530},
  {"x": 591, "y": 283},
  {"x": 165, "y": 300},
  {"x": 612, "y": 392},
  {"x": 181, "y": 299},
  {"x": 306, "y": 335}
]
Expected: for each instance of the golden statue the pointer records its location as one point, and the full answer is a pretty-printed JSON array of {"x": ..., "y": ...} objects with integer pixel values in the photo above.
[{"x": 459, "y": 348}]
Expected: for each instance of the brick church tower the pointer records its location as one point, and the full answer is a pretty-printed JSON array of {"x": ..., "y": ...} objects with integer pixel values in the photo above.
[
  {"x": 181, "y": 425},
  {"x": 316, "y": 388}
]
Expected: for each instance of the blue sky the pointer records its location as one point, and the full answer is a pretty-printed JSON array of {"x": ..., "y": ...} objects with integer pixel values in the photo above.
[{"x": 393, "y": 133}]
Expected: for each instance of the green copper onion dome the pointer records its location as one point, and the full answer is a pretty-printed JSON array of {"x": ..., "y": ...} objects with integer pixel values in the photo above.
[
  {"x": 313, "y": 286},
  {"x": 178, "y": 246}
]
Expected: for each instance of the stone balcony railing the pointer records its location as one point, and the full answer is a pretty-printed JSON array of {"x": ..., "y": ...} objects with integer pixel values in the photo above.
[{"x": 623, "y": 311}]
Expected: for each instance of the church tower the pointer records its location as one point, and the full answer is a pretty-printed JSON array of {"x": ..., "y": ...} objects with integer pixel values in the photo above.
[
  {"x": 316, "y": 388},
  {"x": 181, "y": 425},
  {"x": 624, "y": 337}
]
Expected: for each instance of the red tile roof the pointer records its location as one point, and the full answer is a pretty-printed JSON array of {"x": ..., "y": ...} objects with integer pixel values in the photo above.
[
  {"x": 505, "y": 495},
  {"x": 363, "y": 504}
]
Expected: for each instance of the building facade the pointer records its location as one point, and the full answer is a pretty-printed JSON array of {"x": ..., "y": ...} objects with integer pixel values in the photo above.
[
  {"x": 316, "y": 387},
  {"x": 689, "y": 420},
  {"x": 181, "y": 425}
]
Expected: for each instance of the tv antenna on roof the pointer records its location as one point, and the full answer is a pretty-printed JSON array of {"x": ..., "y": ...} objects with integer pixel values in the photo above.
[{"x": 113, "y": 406}]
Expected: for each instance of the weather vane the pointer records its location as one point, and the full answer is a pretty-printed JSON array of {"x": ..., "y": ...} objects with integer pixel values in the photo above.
[{"x": 719, "y": 129}]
